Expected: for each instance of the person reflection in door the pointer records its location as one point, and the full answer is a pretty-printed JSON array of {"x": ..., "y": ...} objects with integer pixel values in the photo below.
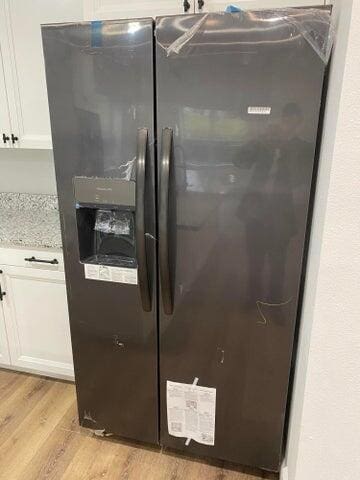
[{"x": 273, "y": 206}]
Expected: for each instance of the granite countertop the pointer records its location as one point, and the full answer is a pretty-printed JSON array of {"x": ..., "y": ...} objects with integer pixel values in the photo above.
[{"x": 29, "y": 220}]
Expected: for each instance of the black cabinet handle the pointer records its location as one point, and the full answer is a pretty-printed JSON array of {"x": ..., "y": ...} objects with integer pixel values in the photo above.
[
  {"x": 201, "y": 3},
  {"x": 164, "y": 260},
  {"x": 14, "y": 138},
  {"x": 2, "y": 293},
  {"x": 37, "y": 260},
  {"x": 186, "y": 5},
  {"x": 141, "y": 156},
  {"x": 5, "y": 138}
]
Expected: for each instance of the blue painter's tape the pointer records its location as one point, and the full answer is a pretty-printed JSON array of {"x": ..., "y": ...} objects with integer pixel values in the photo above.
[
  {"x": 232, "y": 9},
  {"x": 96, "y": 33}
]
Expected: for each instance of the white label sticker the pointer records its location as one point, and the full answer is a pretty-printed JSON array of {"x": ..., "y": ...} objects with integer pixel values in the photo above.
[
  {"x": 91, "y": 271},
  {"x": 111, "y": 274},
  {"x": 259, "y": 110},
  {"x": 191, "y": 412}
]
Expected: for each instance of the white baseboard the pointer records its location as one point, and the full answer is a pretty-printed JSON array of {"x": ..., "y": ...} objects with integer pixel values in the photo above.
[
  {"x": 284, "y": 475},
  {"x": 37, "y": 371}
]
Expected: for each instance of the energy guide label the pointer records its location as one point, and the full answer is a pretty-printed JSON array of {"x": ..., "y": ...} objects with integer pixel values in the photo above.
[
  {"x": 259, "y": 110},
  {"x": 191, "y": 412},
  {"x": 111, "y": 274}
]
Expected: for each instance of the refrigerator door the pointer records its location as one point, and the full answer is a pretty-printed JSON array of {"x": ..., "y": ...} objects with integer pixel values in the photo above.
[
  {"x": 100, "y": 84},
  {"x": 238, "y": 105}
]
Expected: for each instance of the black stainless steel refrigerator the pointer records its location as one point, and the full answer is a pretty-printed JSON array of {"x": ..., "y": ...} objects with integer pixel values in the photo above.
[{"x": 185, "y": 153}]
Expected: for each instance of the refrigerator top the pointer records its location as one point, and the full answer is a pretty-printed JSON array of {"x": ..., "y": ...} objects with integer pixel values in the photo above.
[
  {"x": 225, "y": 31},
  {"x": 143, "y": 20}
]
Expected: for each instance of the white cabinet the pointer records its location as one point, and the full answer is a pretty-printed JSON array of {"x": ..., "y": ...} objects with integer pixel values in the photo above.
[
  {"x": 4, "y": 347},
  {"x": 24, "y": 69},
  {"x": 112, "y": 9},
  {"x": 5, "y": 127},
  {"x": 34, "y": 323},
  {"x": 219, "y": 6}
]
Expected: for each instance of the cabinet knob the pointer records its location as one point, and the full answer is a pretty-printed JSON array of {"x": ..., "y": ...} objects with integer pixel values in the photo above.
[
  {"x": 14, "y": 138},
  {"x": 186, "y": 5},
  {"x": 2, "y": 294},
  {"x": 5, "y": 138},
  {"x": 201, "y": 3}
]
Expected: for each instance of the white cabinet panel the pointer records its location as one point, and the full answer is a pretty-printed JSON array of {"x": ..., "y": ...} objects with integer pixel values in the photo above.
[
  {"x": 4, "y": 348},
  {"x": 219, "y": 6},
  {"x": 5, "y": 128},
  {"x": 36, "y": 318},
  {"x": 17, "y": 257},
  {"x": 112, "y": 9},
  {"x": 20, "y": 39}
]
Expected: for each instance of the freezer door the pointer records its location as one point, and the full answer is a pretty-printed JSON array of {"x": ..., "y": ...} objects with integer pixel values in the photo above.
[
  {"x": 100, "y": 84},
  {"x": 238, "y": 101}
]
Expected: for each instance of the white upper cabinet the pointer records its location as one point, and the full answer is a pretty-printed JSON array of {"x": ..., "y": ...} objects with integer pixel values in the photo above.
[
  {"x": 219, "y": 6},
  {"x": 5, "y": 127},
  {"x": 112, "y": 9},
  {"x": 24, "y": 69}
]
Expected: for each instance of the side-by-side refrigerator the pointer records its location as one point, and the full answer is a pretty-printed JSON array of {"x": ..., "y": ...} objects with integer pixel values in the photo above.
[{"x": 185, "y": 153}]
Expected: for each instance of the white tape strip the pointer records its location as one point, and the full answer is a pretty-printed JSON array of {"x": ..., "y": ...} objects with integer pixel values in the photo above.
[{"x": 188, "y": 440}]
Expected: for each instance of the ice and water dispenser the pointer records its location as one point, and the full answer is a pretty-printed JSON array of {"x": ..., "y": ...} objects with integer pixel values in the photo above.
[{"x": 105, "y": 212}]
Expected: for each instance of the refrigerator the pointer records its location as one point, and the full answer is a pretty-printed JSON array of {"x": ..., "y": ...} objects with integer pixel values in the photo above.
[{"x": 185, "y": 153}]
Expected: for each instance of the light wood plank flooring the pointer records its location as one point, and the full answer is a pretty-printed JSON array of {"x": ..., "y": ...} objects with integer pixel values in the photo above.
[{"x": 40, "y": 439}]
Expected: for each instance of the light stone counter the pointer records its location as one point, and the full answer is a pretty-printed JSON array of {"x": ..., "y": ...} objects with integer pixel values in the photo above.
[{"x": 29, "y": 220}]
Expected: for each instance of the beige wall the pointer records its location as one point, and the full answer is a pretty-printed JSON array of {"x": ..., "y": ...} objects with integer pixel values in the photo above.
[{"x": 324, "y": 437}]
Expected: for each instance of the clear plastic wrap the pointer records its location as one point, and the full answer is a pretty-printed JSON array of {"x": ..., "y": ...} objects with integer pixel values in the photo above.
[
  {"x": 112, "y": 221},
  {"x": 127, "y": 170},
  {"x": 178, "y": 44},
  {"x": 313, "y": 24}
]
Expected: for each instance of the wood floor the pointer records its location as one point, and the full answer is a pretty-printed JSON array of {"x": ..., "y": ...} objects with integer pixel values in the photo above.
[{"x": 40, "y": 439}]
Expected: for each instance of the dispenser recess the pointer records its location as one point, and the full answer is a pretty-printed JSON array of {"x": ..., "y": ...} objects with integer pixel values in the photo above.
[{"x": 105, "y": 215}]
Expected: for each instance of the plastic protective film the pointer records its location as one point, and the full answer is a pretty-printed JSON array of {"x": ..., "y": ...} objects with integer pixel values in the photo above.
[
  {"x": 127, "y": 171},
  {"x": 313, "y": 24},
  {"x": 113, "y": 221}
]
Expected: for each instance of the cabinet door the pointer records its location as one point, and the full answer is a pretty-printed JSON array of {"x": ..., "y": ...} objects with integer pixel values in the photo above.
[
  {"x": 36, "y": 319},
  {"x": 5, "y": 128},
  {"x": 219, "y": 6},
  {"x": 112, "y": 9},
  {"x": 4, "y": 349},
  {"x": 20, "y": 40}
]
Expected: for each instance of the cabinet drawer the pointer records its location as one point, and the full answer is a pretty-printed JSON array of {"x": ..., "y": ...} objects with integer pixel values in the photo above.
[{"x": 40, "y": 259}]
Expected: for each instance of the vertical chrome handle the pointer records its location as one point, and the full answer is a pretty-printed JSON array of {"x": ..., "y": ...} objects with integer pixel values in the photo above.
[
  {"x": 165, "y": 277},
  {"x": 142, "y": 149}
]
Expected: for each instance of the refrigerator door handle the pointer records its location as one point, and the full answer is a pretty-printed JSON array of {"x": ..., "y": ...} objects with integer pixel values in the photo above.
[
  {"x": 141, "y": 156},
  {"x": 165, "y": 276}
]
